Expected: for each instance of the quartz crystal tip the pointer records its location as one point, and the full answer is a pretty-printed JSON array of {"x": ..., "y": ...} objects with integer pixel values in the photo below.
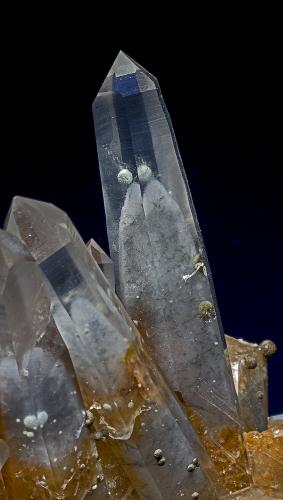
[{"x": 127, "y": 77}]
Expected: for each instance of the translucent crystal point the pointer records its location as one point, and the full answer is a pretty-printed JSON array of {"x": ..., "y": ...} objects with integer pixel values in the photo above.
[
  {"x": 133, "y": 411},
  {"x": 162, "y": 274},
  {"x": 103, "y": 260},
  {"x": 249, "y": 367}
]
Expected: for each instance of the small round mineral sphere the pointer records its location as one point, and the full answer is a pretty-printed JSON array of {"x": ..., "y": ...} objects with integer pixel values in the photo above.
[
  {"x": 125, "y": 176},
  {"x": 144, "y": 172}
]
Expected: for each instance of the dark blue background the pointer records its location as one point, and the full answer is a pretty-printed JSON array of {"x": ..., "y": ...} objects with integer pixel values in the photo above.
[{"x": 224, "y": 96}]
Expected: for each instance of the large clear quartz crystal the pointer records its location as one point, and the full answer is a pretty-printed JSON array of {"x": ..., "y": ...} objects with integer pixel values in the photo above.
[
  {"x": 130, "y": 411},
  {"x": 162, "y": 273}
]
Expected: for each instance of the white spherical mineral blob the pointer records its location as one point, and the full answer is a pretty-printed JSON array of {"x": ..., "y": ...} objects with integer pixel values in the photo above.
[
  {"x": 144, "y": 172},
  {"x": 125, "y": 176}
]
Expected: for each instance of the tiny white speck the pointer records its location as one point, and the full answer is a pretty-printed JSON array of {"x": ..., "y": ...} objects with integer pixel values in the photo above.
[
  {"x": 18, "y": 420},
  {"x": 29, "y": 434},
  {"x": 72, "y": 470},
  {"x": 94, "y": 487},
  {"x": 64, "y": 468},
  {"x": 60, "y": 432},
  {"x": 75, "y": 448},
  {"x": 130, "y": 404},
  {"x": 216, "y": 343},
  {"x": 82, "y": 466},
  {"x": 55, "y": 460},
  {"x": 139, "y": 386},
  {"x": 54, "y": 421},
  {"x": 107, "y": 407}
]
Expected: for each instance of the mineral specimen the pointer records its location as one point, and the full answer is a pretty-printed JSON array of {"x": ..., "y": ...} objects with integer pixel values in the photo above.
[
  {"x": 162, "y": 273},
  {"x": 249, "y": 367},
  {"x": 133, "y": 411},
  {"x": 85, "y": 413}
]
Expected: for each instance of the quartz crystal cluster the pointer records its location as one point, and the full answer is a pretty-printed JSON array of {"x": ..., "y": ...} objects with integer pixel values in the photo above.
[{"x": 155, "y": 403}]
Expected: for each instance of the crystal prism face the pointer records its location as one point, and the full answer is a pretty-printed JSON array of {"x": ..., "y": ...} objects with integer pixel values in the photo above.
[
  {"x": 133, "y": 412},
  {"x": 104, "y": 262},
  {"x": 249, "y": 367},
  {"x": 162, "y": 274}
]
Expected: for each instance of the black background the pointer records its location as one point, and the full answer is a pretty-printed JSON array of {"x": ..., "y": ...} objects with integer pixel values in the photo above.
[{"x": 223, "y": 89}]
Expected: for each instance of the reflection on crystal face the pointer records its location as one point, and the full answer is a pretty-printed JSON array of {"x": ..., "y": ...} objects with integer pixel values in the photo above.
[
  {"x": 162, "y": 274},
  {"x": 103, "y": 261},
  {"x": 134, "y": 413}
]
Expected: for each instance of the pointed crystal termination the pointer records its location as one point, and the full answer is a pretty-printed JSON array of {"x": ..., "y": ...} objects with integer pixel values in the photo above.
[
  {"x": 162, "y": 274},
  {"x": 41, "y": 410},
  {"x": 249, "y": 367},
  {"x": 103, "y": 260},
  {"x": 134, "y": 412}
]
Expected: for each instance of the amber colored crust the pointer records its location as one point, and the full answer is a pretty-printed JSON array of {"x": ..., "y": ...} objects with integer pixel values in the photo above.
[
  {"x": 265, "y": 453},
  {"x": 230, "y": 473}
]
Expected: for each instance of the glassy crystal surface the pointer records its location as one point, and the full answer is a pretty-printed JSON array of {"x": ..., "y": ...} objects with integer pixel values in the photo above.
[
  {"x": 41, "y": 409},
  {"x": 249, "y": 368},
  {"x": 265, "y": 452},
  {"x": 162, "y": 274},
  {"x": 103, "y": 260},
  {"x": 134, "y": 414}
]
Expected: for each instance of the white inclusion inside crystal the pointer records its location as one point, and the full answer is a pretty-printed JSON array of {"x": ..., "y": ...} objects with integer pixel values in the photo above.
[
  {"x": 30, "y": 421},
  {"x": 130, "y": 404},
  {"x": 42, "y": 417},
  {"x": 29, "y": 434},
  {"x": 18, "y": 420},
  {"x": 144, "y": 173},
  {"x": 35, "y": 421},
  {"x": 186, "y": 277},
  {"x": 125, "y": 176},
  {"x": 106, "y": 406}
]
